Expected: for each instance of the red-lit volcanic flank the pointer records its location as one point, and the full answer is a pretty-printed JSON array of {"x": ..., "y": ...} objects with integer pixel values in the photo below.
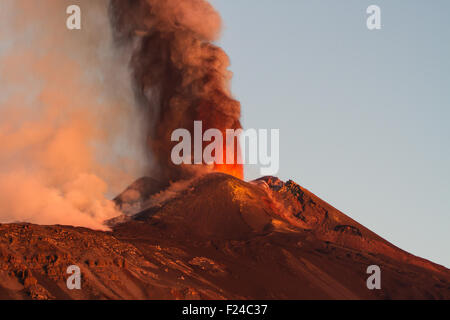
[
  {"x": 217, "y": 238},
  {"x": 210, "y": 236}
]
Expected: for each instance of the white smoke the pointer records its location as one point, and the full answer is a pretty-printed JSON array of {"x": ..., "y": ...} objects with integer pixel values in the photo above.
[{"x": 70, "y": 134}]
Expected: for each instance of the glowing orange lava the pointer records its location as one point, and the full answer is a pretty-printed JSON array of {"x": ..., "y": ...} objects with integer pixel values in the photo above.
[{"x": 236, "y": 169}]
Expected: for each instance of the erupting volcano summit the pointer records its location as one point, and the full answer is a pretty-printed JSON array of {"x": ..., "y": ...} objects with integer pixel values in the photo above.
[
  {"x": 218, "y": 238},
  {"x": 179, "y": 75},
  {"x": 183, "y": 231}
]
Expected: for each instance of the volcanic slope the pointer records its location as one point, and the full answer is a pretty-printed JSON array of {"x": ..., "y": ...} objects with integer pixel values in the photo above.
[{"x": 218, "y": 238}]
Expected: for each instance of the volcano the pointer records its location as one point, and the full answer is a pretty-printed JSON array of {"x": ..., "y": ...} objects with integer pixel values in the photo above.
[{"x": 217, "y": 238}]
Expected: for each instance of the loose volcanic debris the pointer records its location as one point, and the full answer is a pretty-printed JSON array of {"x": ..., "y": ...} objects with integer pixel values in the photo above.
[{"x": 221, "y": 238}]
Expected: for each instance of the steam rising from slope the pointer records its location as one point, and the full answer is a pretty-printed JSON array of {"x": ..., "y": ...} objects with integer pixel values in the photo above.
[
  {"x": 66, "y": 115},
  {"x": 179, "y": 75}
]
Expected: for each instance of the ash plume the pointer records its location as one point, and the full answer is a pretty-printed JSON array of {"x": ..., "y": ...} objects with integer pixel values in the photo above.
[
  {"x": 69, "y": 130},
  {"x": 179, "y": 75}
]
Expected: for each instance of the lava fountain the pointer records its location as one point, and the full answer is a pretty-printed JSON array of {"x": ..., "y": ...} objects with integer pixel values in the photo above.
[{"x": 179, "y": 74}]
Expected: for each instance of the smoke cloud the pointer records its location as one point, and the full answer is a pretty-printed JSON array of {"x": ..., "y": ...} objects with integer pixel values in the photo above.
[
  {"x": 179, "y": 75},
  {"x": 69, "y": 130},
  {"x": 71, "y": 135}
]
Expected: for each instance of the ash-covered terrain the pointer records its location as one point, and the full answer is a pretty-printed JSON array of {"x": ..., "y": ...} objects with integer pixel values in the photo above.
[{"x": 218, "y": 238}]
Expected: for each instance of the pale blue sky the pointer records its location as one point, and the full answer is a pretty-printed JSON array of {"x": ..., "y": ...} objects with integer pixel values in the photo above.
[{"x": 363, "y": 115}]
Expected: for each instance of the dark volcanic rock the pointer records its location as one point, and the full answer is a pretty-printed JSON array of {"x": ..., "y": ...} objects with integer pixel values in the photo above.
[
  {"x": 220, "y": 238},
  {"x": 138, "y": 192}
]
